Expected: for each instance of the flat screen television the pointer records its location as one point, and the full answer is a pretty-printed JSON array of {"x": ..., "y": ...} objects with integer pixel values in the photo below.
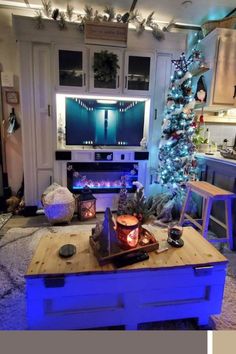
[{"x": 101, "y": 122}]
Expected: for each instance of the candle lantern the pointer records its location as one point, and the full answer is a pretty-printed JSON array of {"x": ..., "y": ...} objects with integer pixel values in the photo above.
[
  {"x": 127, "y": 231},
  {"x": 86, "y": 205}
]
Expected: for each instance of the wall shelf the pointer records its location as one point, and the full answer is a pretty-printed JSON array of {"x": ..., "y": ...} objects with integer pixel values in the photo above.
[{"x": 200, "y": 71}]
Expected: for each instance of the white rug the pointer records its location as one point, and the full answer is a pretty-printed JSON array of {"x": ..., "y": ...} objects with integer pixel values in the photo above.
[{"x": 16, "y": 250}]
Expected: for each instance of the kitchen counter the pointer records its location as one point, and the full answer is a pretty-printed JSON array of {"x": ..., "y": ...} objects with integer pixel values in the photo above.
[{"x": 216, "y": 157}]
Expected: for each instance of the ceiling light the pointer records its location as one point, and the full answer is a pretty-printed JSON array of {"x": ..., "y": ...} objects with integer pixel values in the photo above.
[
  {"x": 107, "y": 101},
  {"x": 186, "y": 3}
]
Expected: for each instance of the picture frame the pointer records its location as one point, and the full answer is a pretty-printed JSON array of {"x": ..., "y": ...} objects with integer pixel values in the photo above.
[{"x": 12, "y": 97}]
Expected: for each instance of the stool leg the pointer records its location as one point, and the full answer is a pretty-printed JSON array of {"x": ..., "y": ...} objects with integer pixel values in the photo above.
[
  {"x": 228, "y": 221},
  {"x": 206, "y": 217},
  {"x": 185, "y": 206},
  {"x": 203, "y": 206}
]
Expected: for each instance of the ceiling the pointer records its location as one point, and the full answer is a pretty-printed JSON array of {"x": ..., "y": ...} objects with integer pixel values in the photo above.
[{"x": 191, "y": 12}]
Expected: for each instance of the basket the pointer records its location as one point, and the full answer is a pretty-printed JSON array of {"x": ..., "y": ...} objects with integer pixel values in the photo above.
[
  {"x": 228, "y": 154},
  {"x": 228, "y": 22},
  {"x": 59, "y": 213}
]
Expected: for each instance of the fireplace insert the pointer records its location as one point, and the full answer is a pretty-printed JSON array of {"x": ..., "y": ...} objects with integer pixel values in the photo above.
[{"x": 101, "y": 177}]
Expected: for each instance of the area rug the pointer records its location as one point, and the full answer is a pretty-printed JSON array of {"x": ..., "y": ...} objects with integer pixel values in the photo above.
[
  {"x": 16, "y": 250},
  {"x": 4, "y": 218}
]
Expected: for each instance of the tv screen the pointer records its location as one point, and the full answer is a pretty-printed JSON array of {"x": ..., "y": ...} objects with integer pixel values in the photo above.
[{"x": 104, "y": 122}]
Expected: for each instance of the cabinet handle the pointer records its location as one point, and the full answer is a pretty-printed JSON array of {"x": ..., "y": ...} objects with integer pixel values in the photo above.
[
  {"x": 201, "y": 271},
  {"x": 84, "y": 79},
  {"x": 118, "y": 81},
  {"x": 49, "y": 110},
  {"x": 50, "y": 180},
  {"x": 125, "y": 81},
  {"x": 234, "y": 92},
  {"x": 57, "y": 282},
  {"x": 155, "y": 114}
]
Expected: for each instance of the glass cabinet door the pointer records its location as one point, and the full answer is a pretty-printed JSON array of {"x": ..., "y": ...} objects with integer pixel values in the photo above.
[
  {"x": 138, "y": 69},
  {"x": 71, "y": 68}
]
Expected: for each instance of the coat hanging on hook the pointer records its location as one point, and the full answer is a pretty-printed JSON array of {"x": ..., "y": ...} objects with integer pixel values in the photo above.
[{"x": 13, "y": 125}]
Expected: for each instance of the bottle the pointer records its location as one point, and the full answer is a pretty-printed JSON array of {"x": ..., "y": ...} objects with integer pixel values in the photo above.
[
  {"x": 234, "y": 146},
  {"x": 225, "y": 141},
  {"x": 207, "y": 136}
]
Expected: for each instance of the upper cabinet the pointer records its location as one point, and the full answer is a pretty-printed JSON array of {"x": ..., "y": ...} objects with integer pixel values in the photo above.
[
  {"x": 219, "y": 49},
  {"x": 138, "y": 71},
  {"x": 71, "y": 68},
  {"x": 106, "y": 66},
  {"x": 103, "y": 70}
]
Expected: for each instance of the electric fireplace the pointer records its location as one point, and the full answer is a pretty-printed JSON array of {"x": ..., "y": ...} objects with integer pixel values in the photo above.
[{"x": 101, "y": 177}]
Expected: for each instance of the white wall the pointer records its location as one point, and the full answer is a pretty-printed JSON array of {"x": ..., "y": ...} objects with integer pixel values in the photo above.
[
  {"x": 9, "y": 62},
  {"x": 219, "y": 132}
]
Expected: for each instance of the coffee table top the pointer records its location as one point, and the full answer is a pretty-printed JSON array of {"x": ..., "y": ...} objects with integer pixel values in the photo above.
[{"x": 46, "y": 261}]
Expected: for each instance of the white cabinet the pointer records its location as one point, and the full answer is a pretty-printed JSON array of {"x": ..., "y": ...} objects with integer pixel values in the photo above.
[
  {"x": 219, "y": 49},
  {"x": 134, "y": 73},
  {"x": 71, "y": 68},
  {"x": 102, "y": 80},
  {"x": 138, "y": 72}
]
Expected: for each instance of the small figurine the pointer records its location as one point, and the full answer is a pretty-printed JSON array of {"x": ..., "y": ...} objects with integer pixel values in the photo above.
[{"x": 143, "y": 143}]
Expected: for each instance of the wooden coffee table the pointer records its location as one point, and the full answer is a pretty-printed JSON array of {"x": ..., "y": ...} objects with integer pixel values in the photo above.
[{"x": 77, "y": 293}]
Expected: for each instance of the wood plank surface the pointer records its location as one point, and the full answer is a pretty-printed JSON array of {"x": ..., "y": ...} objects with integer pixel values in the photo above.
[
  {"x": 46, "y": 261},
  {"x": 208, "y": 189}
]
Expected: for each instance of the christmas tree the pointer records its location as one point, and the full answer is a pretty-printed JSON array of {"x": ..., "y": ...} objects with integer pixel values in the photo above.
[{"x": 177, "y": 163}]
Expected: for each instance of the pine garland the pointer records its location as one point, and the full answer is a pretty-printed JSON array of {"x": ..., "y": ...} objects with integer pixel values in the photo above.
[{"x": 108, "y": 15}]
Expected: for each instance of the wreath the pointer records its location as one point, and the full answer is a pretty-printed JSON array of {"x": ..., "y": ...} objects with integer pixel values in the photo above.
[{"x": 105, "y": 66}]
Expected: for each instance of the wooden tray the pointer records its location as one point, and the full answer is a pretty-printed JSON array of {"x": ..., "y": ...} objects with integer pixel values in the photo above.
[{"x": 102, "y": 260}]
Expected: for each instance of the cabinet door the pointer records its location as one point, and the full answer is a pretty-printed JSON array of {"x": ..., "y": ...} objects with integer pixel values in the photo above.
[
  {"x": 102, "y": 81},
  {"x": 71, "y": 68},
  {"x": 225, "y": 73},
  {"x": 138, "y": 72}
]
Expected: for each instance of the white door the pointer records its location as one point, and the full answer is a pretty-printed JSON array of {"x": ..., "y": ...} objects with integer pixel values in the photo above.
[{"x": 43, "y": 116}]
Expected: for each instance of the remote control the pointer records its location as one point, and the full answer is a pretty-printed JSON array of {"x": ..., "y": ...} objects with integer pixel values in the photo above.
[{"x": 131, "y": 258}]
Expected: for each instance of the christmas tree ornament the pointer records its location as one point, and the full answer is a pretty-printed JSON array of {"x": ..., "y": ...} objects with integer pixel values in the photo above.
[
  {"x": 201, "y": 90},
  {"x": 201, "y": 119},
  {"x": 55, "y": 14}
]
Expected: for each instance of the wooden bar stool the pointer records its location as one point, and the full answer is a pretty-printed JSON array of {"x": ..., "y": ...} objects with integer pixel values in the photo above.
[{"x": 210, "y": 193}]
